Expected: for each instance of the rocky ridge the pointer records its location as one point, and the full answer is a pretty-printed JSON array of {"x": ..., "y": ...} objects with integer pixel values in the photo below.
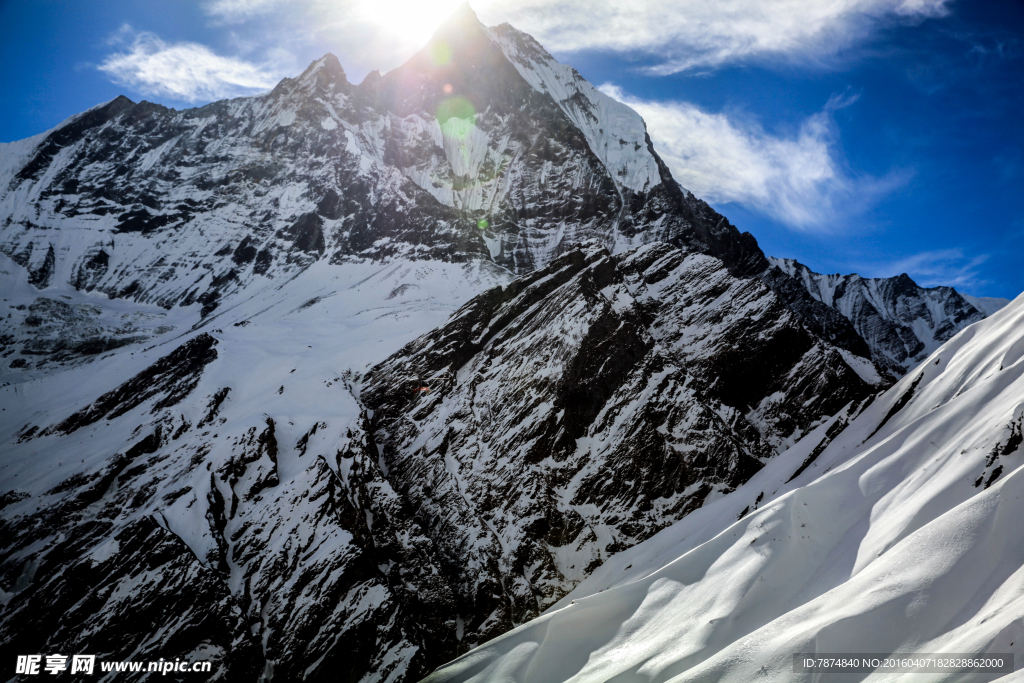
[
  {"x": 895, "y": 527},
  {"x": 901, "y": 321}
]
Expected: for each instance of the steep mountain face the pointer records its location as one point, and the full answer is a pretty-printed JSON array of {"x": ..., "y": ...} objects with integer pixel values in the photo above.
[
  {"x": 481, "y": 146},
  {"x": 579, "y": 410},
  {"x": 891, "y": 529},
  {"x": 227, "y": 367},
  {"x": 901, "y": 322}
]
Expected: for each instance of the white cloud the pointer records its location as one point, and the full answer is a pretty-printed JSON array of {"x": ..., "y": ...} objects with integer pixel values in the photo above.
[
  {"x": 685, "y": 34},
  {"x": 369, "y": 34},
  {"x": 798, "y": 180},
  {"x": 678, "y": 34},
  {"x": 237, "y": 11},
  {"x": 187, "y": 71}
]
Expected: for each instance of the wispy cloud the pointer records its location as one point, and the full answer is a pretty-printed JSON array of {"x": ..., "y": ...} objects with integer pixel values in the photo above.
[
  {"x": 679, "y": 35},
  {"x": 798, "y": 180},
  {"x": 237, "y": 11},
  {"x": 950, "y": 267},
  {"x": 186, "y": 71},
  {"x": 687, "y": 34}
]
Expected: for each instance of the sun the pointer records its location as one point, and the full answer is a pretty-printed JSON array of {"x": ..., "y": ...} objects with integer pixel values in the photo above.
[{"x": 409, "y": 22}]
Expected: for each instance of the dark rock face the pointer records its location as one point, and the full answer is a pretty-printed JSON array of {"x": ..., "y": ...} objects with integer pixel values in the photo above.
[
  {"x": 745, "y": 343},
  {"x": 91, "y": 269},
  {"x": 820, "y": 319},
  {"x": 70, "y": 133},
  {"x": 40, "y": 277},
  {"x": 191, "y": 546},
  {"x": 104, "y": 590},
  {"x": 585, "y": 407},
  {"x": 306, "y": 234},
  {"x": 66, "y": 330},
  {"x": 900, "y": 322},
  {"x": 312, "y": 594}
]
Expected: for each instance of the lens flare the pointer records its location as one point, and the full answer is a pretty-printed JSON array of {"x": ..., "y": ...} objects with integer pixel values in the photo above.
[
  {"x": 440, "y": 53},
  {"x": 457, "y": 107}
]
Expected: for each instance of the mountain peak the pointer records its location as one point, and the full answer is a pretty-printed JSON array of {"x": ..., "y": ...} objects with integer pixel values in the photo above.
[
  {"x": 325, "y": 69},
  {"x": 462, "y": 26},
  {"x": 464, "y": 15},
  {"x": 902, "y": 321},
  {"x": 327, "y": 227}
]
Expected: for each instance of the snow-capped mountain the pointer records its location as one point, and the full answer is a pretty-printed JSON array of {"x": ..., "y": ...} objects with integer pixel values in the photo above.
[
  {"x": 481, "y": 146},
  {"x": 343, "y": 380},
  {"x": 891, "y": 529},
  {"x": 901, "y": 321},
  {"x": 213, "y": 495}
]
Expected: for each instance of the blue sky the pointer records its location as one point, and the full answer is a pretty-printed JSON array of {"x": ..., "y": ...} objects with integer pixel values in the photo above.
[{"x": 869, "y": 136}]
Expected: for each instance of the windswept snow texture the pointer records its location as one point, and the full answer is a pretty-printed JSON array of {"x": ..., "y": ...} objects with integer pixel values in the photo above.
[
  {"x": 895, "y": 540},
  {"x": 901, "y": 322}
]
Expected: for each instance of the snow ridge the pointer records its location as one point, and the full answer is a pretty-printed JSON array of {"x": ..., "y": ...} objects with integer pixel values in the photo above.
[{"x": 616, "y": 133}]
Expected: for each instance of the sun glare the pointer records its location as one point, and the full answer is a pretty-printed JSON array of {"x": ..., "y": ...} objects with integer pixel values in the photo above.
[{"x": 408, "y": 21}]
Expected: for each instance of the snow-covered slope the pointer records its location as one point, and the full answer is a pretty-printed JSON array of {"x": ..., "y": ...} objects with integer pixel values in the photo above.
[
  {"x": 614, "y": 132},
  {"x": 986, "y": 304},
  {"x": 898, "y": 532},
  {"x": 901, "y": 321},
  {"x": 215, "y": 495}
]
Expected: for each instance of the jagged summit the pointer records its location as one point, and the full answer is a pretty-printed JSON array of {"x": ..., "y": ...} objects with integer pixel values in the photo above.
[
  {"x": 463, "y": 16},
  {"x": 68, "y": 132},
  {"x": 329, "y": 64},
  {"x": 901, "y": 321},
  {"x": 370, "y": 79},
  {"x": 491, "y": 147}
]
